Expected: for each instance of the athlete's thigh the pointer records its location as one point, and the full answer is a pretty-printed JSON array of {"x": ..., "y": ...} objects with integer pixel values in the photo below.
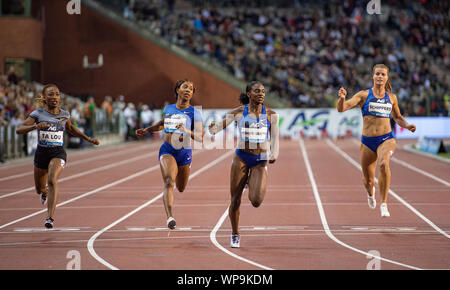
[
  {"x": 169, "y": 167},
  {"x": 183, "y": 176},
  {"x": 368, "y": 161},
  {"x": 238, "y": 175},
  {"x": 385, "y": 150},
  {"x": 40, "y": 178},
  {"x": 55, "y": 168},
  {"x": 257, "y": 183}
]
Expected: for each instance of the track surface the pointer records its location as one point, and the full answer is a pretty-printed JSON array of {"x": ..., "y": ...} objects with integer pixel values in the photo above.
[{"x": 315, "y": 214}]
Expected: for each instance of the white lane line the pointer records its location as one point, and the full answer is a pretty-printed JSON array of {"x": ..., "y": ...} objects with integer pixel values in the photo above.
[
  {"x": 114, "y": 164},
  {"x": 324, "y": 219},
  {"x": 212, "y": 237},
  {"x": 413, "y": 168},
  {"x": 129, "y": 177},
  {"x": 78, "y": 161},
  {"x": 90, "y": 244},
  {"x": 415, "y": 211}
]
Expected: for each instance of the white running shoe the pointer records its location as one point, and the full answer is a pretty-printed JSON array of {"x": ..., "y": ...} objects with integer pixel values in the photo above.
[
  {"x": 384, "y": 210},
  {"x": 371, "y": 199},
  {"x": 235, "y": 241},
  {"x": 171, "y": 223}
]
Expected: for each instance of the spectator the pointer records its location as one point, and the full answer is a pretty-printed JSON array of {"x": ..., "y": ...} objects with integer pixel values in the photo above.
[
  {"x": 130, "y": 115},
  {"x": 146, "y": 119}
]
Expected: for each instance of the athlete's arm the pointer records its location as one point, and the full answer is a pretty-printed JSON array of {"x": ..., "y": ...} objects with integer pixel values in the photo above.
[
  {"x": 29, "y": 125},
  {"x": 198, "y": 132},
  {"x": 215, "y": 128},
  {"x": 154, "y": 128},
  {"x": 397, "y": 116},
  {"x": 344, "y": 105},
  {"x": 274, "y": 137},
  {"x": 72, "y": 130}
]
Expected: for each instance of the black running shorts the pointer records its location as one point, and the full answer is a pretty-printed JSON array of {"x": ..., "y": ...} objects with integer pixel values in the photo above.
[{"x": 44, "y": 155}]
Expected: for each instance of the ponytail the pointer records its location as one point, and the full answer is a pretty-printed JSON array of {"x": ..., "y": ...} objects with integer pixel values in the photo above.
[
  {"x": 388, "y": 86},
  {"x": 244, "y": 99}
]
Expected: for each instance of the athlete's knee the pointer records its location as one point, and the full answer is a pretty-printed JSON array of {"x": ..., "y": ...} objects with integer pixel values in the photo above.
[
  {"x": 384, "y": 166},
  {"x": 168, "y": 182},
  {"x": 235, "y": 202},
  {"x": 256, "y": 203},
  {"x": 52, "y": 181}
]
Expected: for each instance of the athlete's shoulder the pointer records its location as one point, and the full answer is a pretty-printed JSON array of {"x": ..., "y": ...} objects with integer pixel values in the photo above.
[{"x": 238, "y": 110}]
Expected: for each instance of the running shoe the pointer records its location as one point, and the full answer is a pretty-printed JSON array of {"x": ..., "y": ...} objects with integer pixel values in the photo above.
[
  {"x": 43, "y": 198},
  {"x": 384, "y": 210},
  {"x": 49, "y": 223},
  {"x": 235, "y": 241},
  {"x": 171, "y": 223},
  {"x": 371, "y": 199}
]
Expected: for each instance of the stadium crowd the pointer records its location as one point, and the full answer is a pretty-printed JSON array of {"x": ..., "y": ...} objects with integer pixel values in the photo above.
[{"x": 304, "y": 55}]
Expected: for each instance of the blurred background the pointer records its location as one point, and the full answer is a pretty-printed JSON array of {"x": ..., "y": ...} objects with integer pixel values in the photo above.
[{"x": 117, "y": 61}]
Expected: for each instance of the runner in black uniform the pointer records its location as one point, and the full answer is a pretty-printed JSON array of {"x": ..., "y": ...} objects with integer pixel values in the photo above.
[{"x": 51, "y": 121}]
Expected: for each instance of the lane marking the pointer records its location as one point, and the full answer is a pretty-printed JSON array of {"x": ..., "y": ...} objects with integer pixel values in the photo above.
[
  {"x": 212, "y": 237},
  {"x": 90, "y": 244},
  {"x": 129, "y": 177},
  {"x": 70, "y": 164},
  {"x": 112, "y": 165},
  {"x": 410, "y": 207},
  {"x": 324, "y": 219},
  {"x": 413, "y": 168}
]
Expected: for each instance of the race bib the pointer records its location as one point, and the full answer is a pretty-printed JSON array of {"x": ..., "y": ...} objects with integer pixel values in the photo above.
[
  {"x": 49, "y": 138},
  {"x": 256, "y": 133},
  {"x": 171, "y": 122},
  {"x": 380, "y": 109}
]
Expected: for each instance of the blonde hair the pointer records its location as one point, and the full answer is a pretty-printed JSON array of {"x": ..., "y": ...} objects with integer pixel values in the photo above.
[
  {"x": 387, "y": 86},
  {"x": 41, "y": 99}
]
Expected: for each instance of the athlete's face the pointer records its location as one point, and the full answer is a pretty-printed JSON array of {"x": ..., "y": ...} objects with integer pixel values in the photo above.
[
  {"x": 380, "y": 76},
  {"x": 185, "y": 91},
  {"x": 257, "y": 94},
  {"x": 52, "y": 97}
]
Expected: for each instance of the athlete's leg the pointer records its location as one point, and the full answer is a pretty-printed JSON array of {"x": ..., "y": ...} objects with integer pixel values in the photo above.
[
  {"x": 169, "y": 170},
  {"x": 238, "y": 179},
  {"x": 384, "y": 151},
  {"x": 183, "y": 177},
  {"x": 368, "y": 166},
  {"x": 257, "y": 184},
  {"x": 55, "y": 168},
  {"x": 40, "y": 180}
]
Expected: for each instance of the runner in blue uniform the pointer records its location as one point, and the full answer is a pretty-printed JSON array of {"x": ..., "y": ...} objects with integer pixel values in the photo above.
[
  {"x": 50, "y": 158},
  {"x": 258, "y": 144},
  {"x": 377, "y": 104},
  {"x": 181, "y": 122}
]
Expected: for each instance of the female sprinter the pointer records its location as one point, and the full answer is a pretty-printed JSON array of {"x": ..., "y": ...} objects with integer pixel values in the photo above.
[
  {"x": 378, "y": 143},
  {"x": 180, "y": 120},
  {"x": 50, "y": 158},
  {"x": 255, "y": 147}
]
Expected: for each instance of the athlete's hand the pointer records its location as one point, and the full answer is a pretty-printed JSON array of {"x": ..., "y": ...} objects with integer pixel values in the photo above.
[
  {"x": 141, "y": 132},
  {"x": 180, "y": 127},
  {"x": 94, "y": 141},
  {"x": 411, "y": 128},
  {"x": 212, "y": 128},
  {"x": 342, "y": 93},
  {"x": 42, "y": 125},
  {"x": 272, "y": 159}
]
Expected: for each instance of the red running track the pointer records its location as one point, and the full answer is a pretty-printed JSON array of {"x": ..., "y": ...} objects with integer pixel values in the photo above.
[{"x": 315, "y": 214}]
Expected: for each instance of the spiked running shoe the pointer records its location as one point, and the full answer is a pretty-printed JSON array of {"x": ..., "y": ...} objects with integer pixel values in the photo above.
[
  {"x": 43, "y": 198},
  {"x": 384, "y": 210},
  {"x": 235, "y": 241},
  {"x": 171, "y": 224},
  {"x": 49, "y": 223},
  {"x": 371, "y": 199}
]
